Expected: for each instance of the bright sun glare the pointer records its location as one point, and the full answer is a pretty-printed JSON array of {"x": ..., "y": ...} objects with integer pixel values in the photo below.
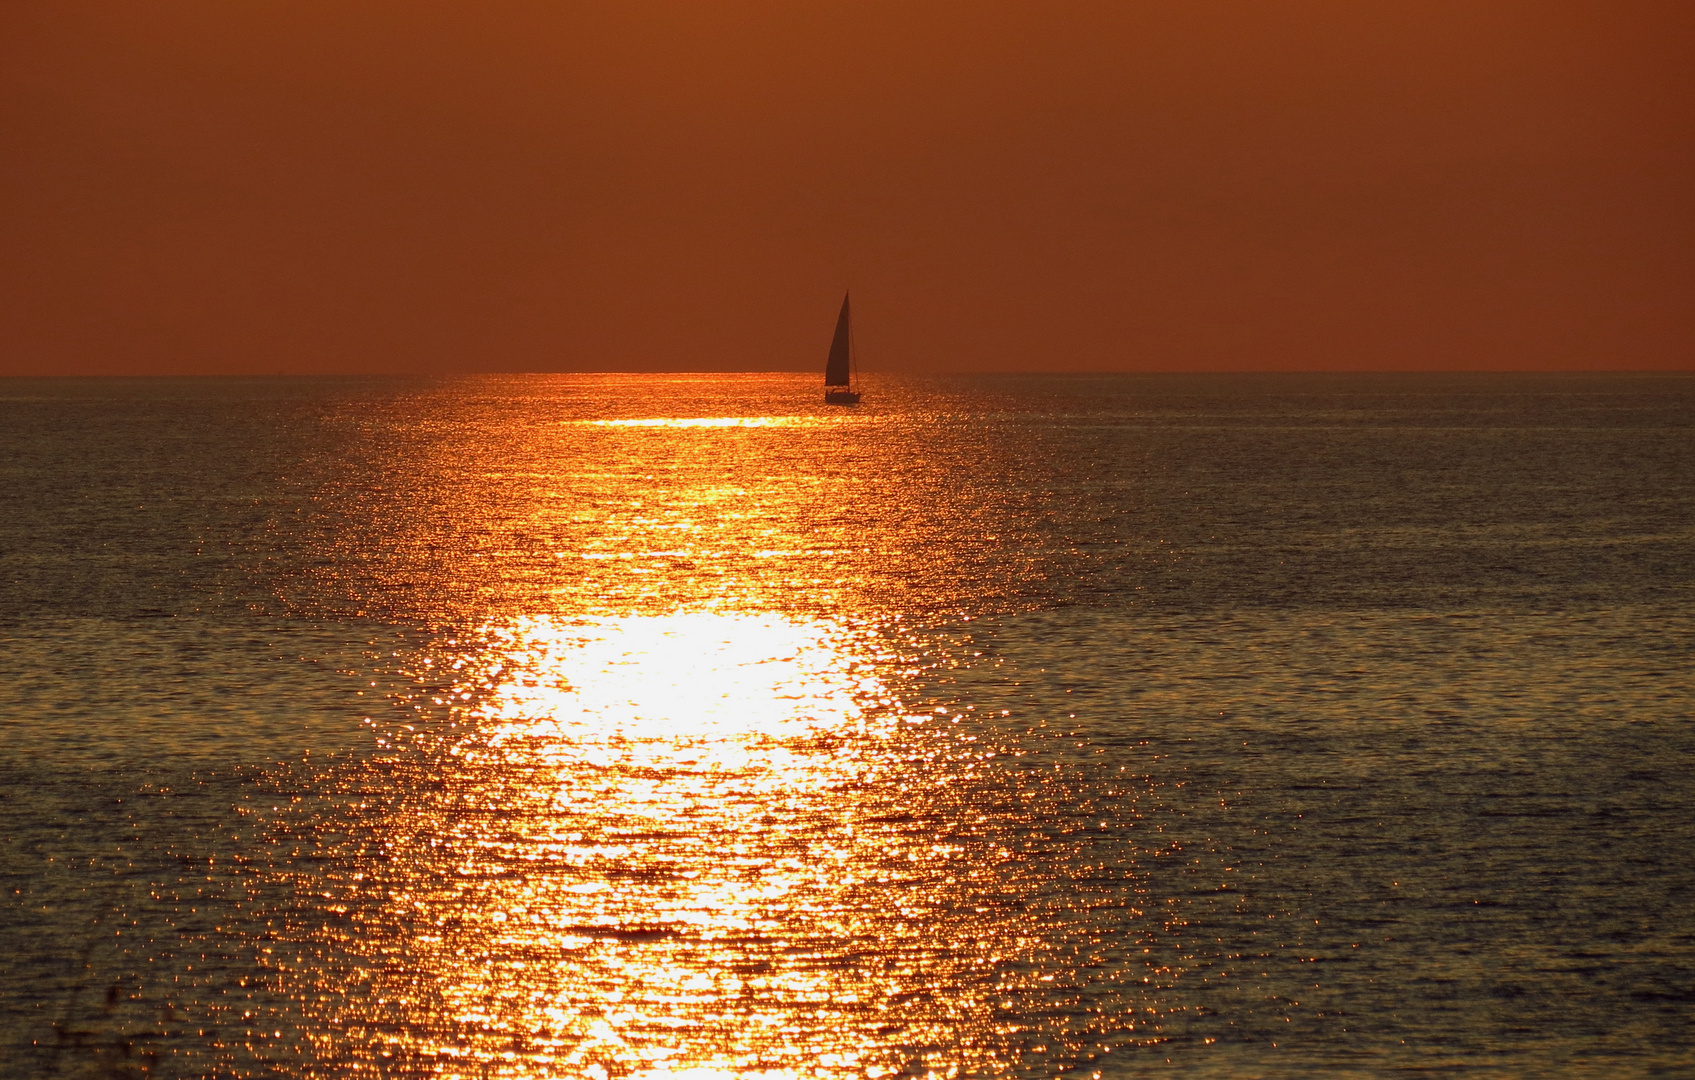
[
  {"x": 680, "y": 678},
  {"x": 649, "y": 843}
]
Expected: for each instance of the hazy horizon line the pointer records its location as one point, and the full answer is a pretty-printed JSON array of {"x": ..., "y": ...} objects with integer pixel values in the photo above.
[{"x": 709, "y": 373}]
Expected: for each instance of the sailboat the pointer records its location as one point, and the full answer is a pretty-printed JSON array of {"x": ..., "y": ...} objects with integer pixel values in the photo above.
[{"x": 838, "y": 370}]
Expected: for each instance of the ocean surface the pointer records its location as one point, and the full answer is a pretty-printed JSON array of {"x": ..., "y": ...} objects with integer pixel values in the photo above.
[{"x": 633, "y": 726}]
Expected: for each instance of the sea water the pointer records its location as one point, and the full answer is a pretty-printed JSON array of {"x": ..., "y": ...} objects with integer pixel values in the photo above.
[{"x": 637, "y": 726}]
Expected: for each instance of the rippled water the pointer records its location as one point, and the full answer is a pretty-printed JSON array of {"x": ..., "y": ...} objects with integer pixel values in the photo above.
[{"x": 637, "y": 726}]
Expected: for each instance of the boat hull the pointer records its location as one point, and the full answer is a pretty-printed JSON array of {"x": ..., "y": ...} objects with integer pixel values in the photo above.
[{"x": 841, "y": 397}]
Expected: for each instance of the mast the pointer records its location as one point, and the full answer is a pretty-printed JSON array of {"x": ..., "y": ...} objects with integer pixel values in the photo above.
[{"x": 837, "y": 369}]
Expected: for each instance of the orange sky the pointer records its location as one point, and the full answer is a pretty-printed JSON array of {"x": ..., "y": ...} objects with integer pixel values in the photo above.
[{"x": 212, "y": 186}]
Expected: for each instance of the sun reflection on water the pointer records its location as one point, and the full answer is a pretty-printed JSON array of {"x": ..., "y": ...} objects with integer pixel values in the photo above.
[
  {"x": 713, "y": 422},
  {"x": 651, "y": 848},
  {"x": 689, "y": 679},
  {"x": 682, "y": 803}
]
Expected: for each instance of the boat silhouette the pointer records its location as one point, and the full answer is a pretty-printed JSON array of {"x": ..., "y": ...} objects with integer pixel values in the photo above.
[{"x": 839, "y": 388}]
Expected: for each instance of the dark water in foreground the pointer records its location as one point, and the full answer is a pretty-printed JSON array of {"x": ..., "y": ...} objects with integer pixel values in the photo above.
[{"x": 624, "y": 726}]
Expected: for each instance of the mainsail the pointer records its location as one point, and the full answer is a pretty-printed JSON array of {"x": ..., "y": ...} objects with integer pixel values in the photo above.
[{"x": 836, "y": 371}]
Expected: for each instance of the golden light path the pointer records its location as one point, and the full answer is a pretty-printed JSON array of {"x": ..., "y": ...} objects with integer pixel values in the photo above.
[
  {"x": 668, "y": 788},
  {"x": 675, "y": 845},
  {"x": 708, "y": 422}
]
